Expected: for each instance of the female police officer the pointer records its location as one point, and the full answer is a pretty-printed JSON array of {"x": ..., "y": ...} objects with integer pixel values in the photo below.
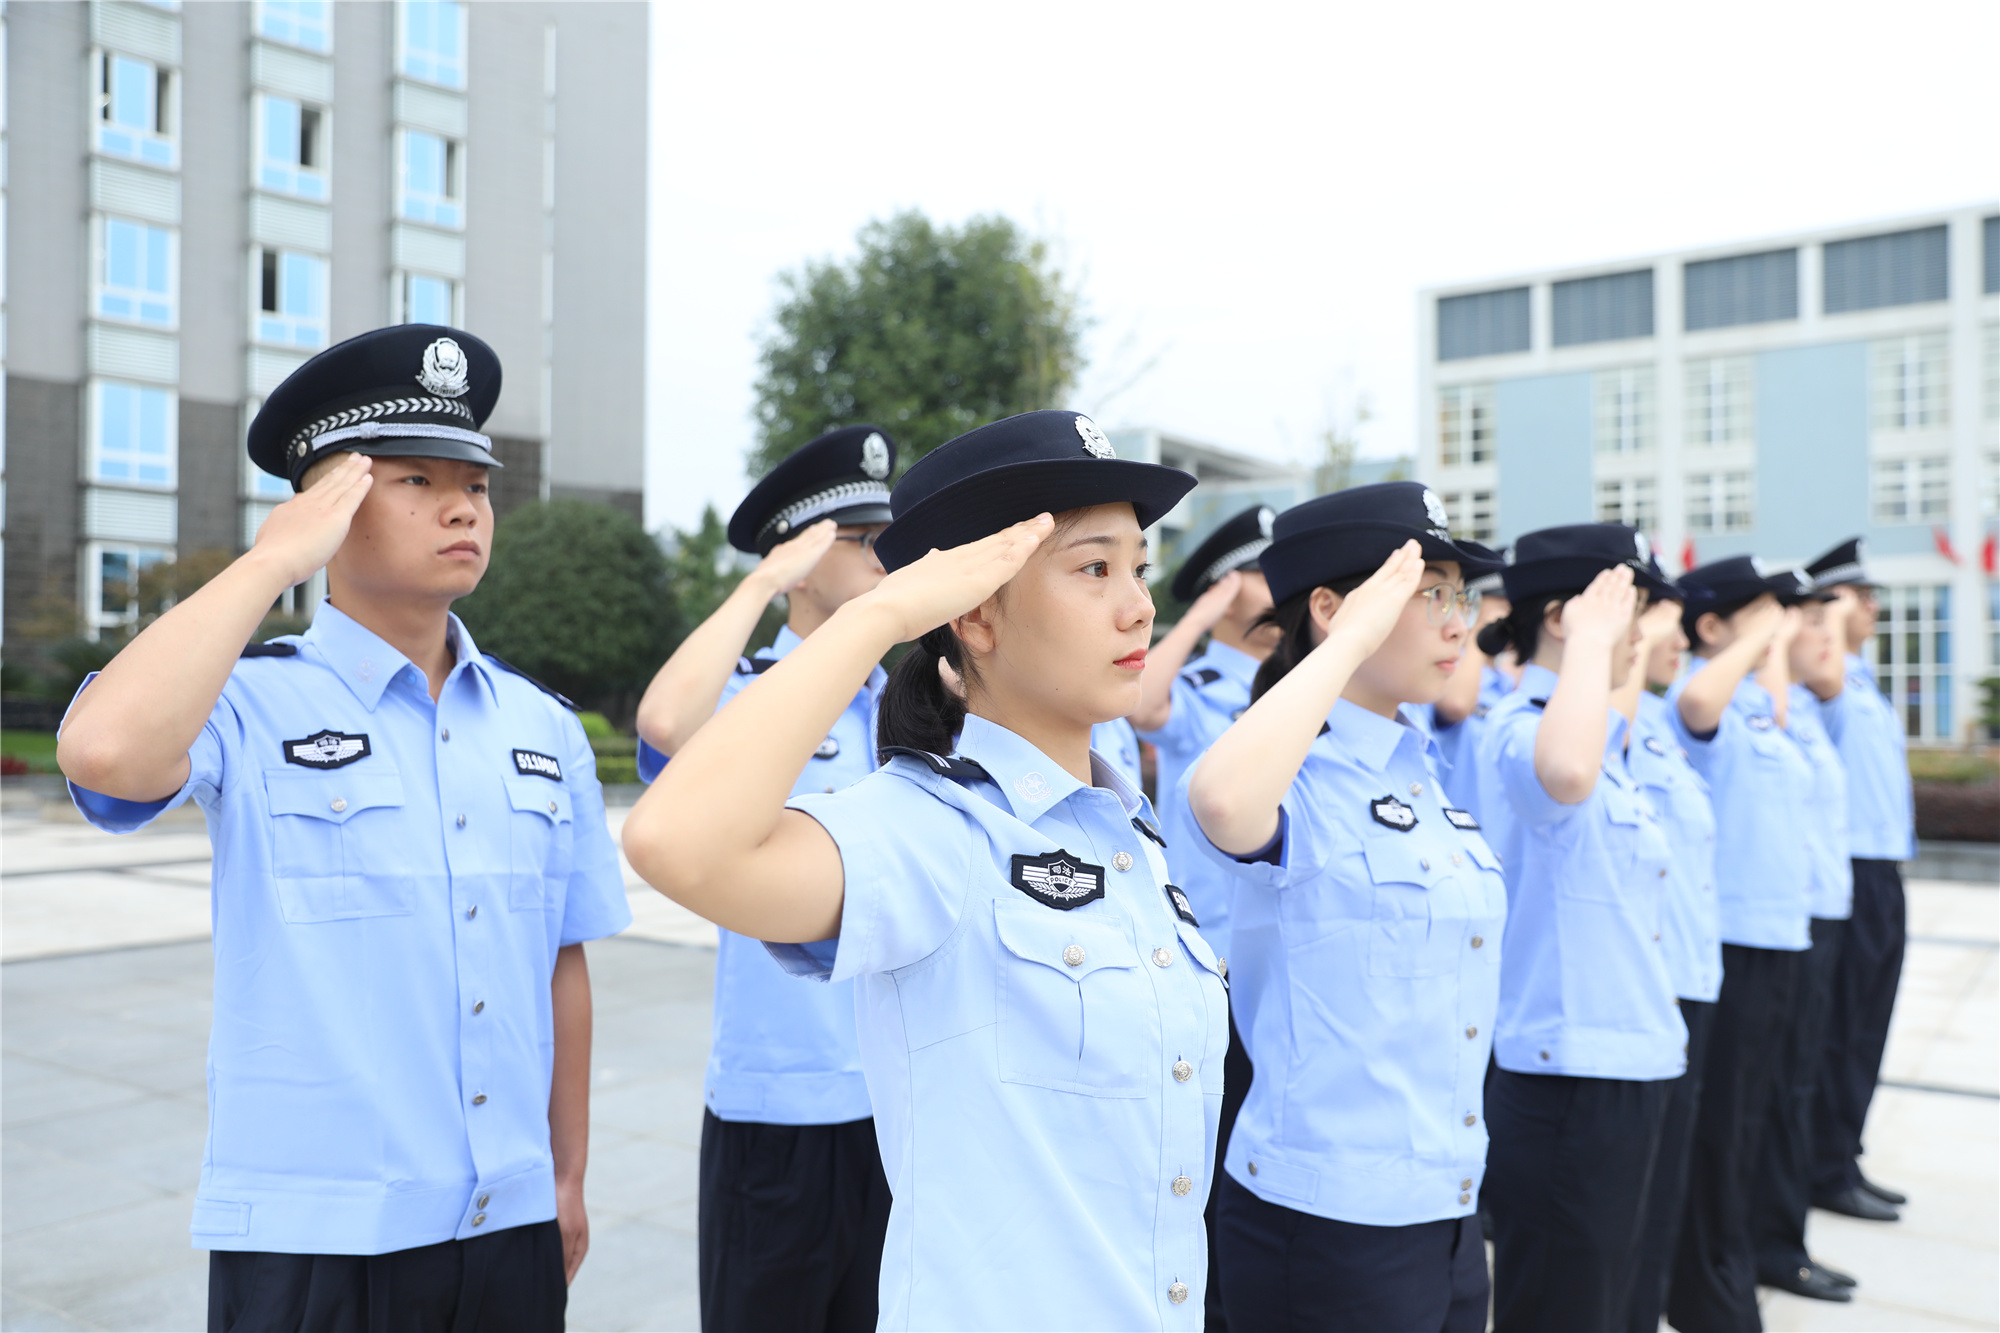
[
  {"x": 410, "y": 848},
  {"x": 1588, "y": 1037},
  {"x": 1041, "y": 1024},
  {"x": 1364, "y": 977}
]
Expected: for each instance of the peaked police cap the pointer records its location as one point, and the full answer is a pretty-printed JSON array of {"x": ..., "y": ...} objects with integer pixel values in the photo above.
[
  {"x": 1566, "y": 559},
  {"x": 407, "y": 391},
  {"x": 1234, "y": 545},
  {"x": 1844, "y": 566},
  {"x": 843, "y": 475},
  {"x": 1332, "y": 537},
  {"x": 1014, "y": 469}
]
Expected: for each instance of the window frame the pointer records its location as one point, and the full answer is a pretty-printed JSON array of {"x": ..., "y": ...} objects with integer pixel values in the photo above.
[
  {"x": 164, "y": 134},
  {"x": 1932, "y": 672},
  {"x": 92, "y": 553},
  {"x": 1730, "y": 381},
  {"x": 454, "y": 174},
  {"x": 94, "y": 422},
  {"x": 100, "y": 275},
  {"x": 399, "y": 296},
  {"x": 261, "y": 160},
  {"x": 265, "y": 7},
  {"x": 1624, "y": 411},
  {"x": 1712, "y": 519},
  {"x": 1467, "y": 402},
  {"x": 405, "y": 53},
  {"x": 1890, "y": 409},
  {"x": 258, "y": 315}
]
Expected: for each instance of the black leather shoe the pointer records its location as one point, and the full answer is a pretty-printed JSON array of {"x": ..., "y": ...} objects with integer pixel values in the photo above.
[
  {"x": 1894, "y": 1198},
  {"x": 1857, "y": 1203},
  {"x": 1808, "y": 1282},
  {"x": 1834, "y": 1275}
]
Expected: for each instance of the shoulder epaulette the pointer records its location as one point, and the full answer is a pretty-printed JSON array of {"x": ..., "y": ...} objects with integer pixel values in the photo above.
[
  {"x": 1539, "y": 703},
  {"x": 1147, "y": 829},
  {"x": 1205, "y": 676},
  {"x": 507, "y": 666},
  {"x": 272, "y": 649},
  {"x": 754, "y": 666},
  {"x": 950, "y": 767}
]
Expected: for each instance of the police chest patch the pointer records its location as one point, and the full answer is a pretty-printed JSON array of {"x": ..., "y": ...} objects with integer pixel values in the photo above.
[
  {"x": 1182, "y": 908},
  {"x": 326, "y": 749},
  {"x": 1653, "y": 744},
  {"x": 534, "y": 764},
  {"x": 1393, "y": 813},
  {"x": 1058, "y": 880},
  {"x": 828, "y": 749},
  {"x": 1461, "y": 819}
]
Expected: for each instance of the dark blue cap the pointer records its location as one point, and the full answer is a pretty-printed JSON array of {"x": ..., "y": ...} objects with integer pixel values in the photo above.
[
  {"x": 408, "y": 391},
  {"x": 1738, "y": 580},
  {"x": 1233, "y": 546},
  {"x": 1844, "y": 566},
  {"x": 843, "y": 475},
  {"x": 1566, "y": 559},
  {"x": 1014, "y": 469},
  {"x": 1332, "y": 537}
]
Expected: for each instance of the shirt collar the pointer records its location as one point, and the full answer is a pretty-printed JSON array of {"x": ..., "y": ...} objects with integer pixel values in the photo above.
[
  {"x": 1234, "y": 663},
  {"x": 788, "y": 639},
  {"x": 1370, "y": 738},
  {"x": 1856, "y": 662},
  {"x": 1032, "y": 782},
  {"x": 366, "y": 661}
]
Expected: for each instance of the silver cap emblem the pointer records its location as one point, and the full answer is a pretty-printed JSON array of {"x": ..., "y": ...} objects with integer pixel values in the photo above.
[
  {"x": 1434, "y": 509},
  {"x": 1094, "y": 442},
  {"x": 1645, "y": 547},
  {"x": 875, "y": 456},
  {"x": 1265, "y": 518},
  {"x": 444, "y": 369}
]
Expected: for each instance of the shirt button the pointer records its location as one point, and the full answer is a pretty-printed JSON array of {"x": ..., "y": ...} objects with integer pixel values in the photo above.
[
  {"x": 1253, "y": 1168},
  {"x": 553, "y": 807},
  {"x": 1470, "y": 1033},
  {"x": 444, "y": 734},
  {"x": 1545, "y": 1055},
  {"x": 829, "y": 791},
  {"x": 1183, "y": 1071},
  {"x": 1073, "y": 955},
  {"x": 479, "y": 1008},
  {"x": 1178, "y": 1293},
  {"x": 1457, "y": 859},
  {"x": 1424, "y": 862},
  {"x": 461, "y": 821},
  {"x": 1477, "y": 940},
  {"x": 479, "y": 1219},
  {"x": 479, "y": 1099},
  {"x": 1121, "y": 860},
  {"x": 484, "y": 1199},
  {"x": 339, "y": 804},
  {"x": 1183, "y": 1187},
  {"x": 1416, "y": 789},
  {"x": 472, "y": 911},
  {"x": 1471, "y": 1119},
  {"x": 1162, "y": 958},
  {"x": 1465, "y": 1184},
  {"x": 1222, "y": 966},
  {"x": 1663, "y": 873},
  {"x": 1465, "y": 1198}
]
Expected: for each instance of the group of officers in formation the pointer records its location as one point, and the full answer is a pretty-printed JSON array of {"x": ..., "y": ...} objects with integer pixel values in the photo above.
[{"x": 1530, "y": 896}]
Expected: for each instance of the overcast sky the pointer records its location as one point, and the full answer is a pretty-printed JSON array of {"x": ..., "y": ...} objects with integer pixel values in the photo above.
[{"x": 1250, "y": 196}]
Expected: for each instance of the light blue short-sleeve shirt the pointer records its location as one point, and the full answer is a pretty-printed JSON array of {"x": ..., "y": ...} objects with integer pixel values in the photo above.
[
  {"x": 1118, "y": 745},
  {"x": 1832, "y": 895},
  {"x": 1865, "y": 726},
  {"x": 1584, "y": 988},
  {"x": 1690, "y": 924},
  {"x": 1459, "y": 743},
  {"x": 392, "y": 880},
  {"x": 783, "y": 1052},
  {"x": 1366, "y": 977},
  {"x": 1760, "y": 782},
  {"x": 1043, "y": 1032},
  {"x": 1211, "y": 691}
]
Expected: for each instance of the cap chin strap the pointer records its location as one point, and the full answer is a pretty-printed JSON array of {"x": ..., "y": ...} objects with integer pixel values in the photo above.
[
  {"x": 1852, "y": 572},
  {"x": 415, "y": 430},
  {"x": 1235, "y": 559},
  {"x": 1486, "y": 584},
  {"x": 847, "y": 495}
]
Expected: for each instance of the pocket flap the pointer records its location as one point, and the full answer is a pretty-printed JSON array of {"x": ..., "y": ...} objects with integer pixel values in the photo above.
[
  {"x": 1395, "y": 859},
  {"x": 335, "y": 796},
  {"x": 1481, "y": 854},
  {"x": 548, "y": 799},
  {"x": 1198, "y": 948},
  {"x": 1046, "y": 936}
]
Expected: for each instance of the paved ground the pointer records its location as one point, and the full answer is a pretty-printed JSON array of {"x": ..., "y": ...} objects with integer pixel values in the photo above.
[{"x": 106, "y": 1010}]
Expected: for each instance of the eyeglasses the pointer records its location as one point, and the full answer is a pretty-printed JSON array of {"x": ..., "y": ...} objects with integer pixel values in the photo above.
[
  {"x": 867, "y": 539},
  {"x": 1439, "y": 601}
]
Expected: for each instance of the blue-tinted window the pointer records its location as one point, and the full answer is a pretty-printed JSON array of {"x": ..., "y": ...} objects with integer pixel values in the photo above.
[
  {"x": 135, "y": 110},
  {"x": 307, "y": 23},
  {"x": 1594, "y": 310},
  {"x": 1742, "y": 289},
  {"x": 1900, "y": 268},
  {"x": 430, "y": 180},
  {"x": 434, "y": 41},
  {"x": 135, "y": 435},
  {"x": 292, "y": 299},
  {"x": 137, "y": 279},
  {"x": 426, "y": 300},
  {"x": 1483, "y": 324},
  {"x": 293, "y": 152}
]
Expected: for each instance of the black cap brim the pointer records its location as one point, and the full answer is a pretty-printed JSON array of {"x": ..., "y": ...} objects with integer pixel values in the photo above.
[
  {"x": 987, "y": 501},
  {"x": 1573, "y": 573},
  {"x": 412, "y": 446},
  {"x": 1320, "y": 556}
]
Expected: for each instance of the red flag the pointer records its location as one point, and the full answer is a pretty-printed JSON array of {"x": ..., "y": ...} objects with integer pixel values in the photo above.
[
  {"x": 1943, "y": 540},
  {"x": 1989, "y": 553},
  {"x": 1687, "y": 554}
]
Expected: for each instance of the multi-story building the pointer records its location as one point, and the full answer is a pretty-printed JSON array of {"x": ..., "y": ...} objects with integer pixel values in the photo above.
[
  {"x": 1230, "y": 482},
  {"x": 202, "y": 196},
  {"x": 1769, "y": 398}
]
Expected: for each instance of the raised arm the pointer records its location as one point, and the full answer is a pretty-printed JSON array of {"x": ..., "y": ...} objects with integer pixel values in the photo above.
[
  {"x": 1166, "y": 658},
  {"x": 1237, "y": 786},
  {"x": 1569, "y": 742},
  {"x": 1706, "y": 695},
  {"x": 1655, "y": 625},
  {"x": 129, "y": 733},
  {"x": 713, "y": 833},
  {"x": 1775, "y": 672},
  {"x": 684, "y": 692}
]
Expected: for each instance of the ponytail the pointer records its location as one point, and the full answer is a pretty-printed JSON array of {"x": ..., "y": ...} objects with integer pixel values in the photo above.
[
  {"x": 917, "y": 711},
  {"x": 1521, "y": 628},
  {"x": 1293, "y": 617}
]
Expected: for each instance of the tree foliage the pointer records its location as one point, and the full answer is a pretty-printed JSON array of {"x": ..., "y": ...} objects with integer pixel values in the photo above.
[
  {"x": 929, "y": 331},
  {"x": 701, "y": 570},
  {"x": 577, "y": 596}
]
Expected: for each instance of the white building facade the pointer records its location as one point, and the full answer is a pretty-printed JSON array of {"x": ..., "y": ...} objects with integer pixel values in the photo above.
[{"x": 1768, "y": 398}]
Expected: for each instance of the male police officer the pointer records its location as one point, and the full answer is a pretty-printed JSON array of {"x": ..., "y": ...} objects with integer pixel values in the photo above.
[
  {"x": 410, "y": 850},
  {"x": 794, "y": 1202}
]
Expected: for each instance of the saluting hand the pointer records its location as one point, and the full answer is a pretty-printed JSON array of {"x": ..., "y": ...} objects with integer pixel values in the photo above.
[
  {"x": 1602, "y": 612},
  {"x": 302, "y": 534},
  {"x": 1212, "y": 605},
  {"x": 1369, "y": 613},
  {"x": 788, "y": 564},
  {"x": 1657, "y": 623},
  {"x": 946, "y": 584}
]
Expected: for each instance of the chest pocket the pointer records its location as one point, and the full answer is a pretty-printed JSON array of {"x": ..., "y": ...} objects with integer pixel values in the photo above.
[
  {"x": 1075, "y": 1012},
  {"x": 544, "y": 842},
  {"x": 334, "y": 840},
  {"x": 1624, "y": 811},
  {"x": 1410, "y": 934},
  {"x": 1204, "y": 1049}
]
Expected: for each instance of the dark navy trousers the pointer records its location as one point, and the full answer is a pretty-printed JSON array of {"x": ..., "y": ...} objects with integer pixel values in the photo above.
[{"x": 1863, "y": 997}]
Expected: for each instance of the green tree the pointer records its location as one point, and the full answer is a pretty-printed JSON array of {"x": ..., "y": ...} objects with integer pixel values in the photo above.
[
  {"x": 578, "y": 597},
  {"x": 929, "y": 331},
  {"x": 701, "y": 571}
]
